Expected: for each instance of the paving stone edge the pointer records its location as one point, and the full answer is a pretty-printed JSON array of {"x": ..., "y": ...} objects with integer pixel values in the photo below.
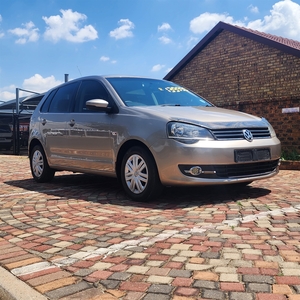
[{"x": 12, "y": 288}]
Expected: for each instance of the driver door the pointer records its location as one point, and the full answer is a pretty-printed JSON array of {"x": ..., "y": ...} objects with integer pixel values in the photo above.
[{"x": 90, "y": 140}]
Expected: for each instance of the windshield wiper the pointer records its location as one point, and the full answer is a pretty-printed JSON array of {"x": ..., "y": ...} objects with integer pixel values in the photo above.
[{"x": 170, "y": 105}]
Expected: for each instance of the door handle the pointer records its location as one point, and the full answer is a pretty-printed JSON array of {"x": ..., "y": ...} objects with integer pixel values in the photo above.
[{"x": 72, "y": 122}]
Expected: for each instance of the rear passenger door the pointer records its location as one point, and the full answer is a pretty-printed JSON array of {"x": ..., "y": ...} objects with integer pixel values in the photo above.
[
  {"x": 90, "y": 141},
  {"x": 55, "y": 113}
]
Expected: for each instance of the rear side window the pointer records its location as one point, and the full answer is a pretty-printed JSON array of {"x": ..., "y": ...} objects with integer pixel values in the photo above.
[
  {"x": 46, "y": 104},
  {"x": 62, "y": 100},
  {"x": 89, "y": 89}
]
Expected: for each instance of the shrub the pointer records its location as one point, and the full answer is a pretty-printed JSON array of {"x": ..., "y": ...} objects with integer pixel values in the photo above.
[{"x": 290, "y": 155}]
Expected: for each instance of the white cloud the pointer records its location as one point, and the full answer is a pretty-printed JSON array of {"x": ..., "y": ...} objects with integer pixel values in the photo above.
[
  {"x": 124, "y": 31},
  {"x": 157, "y": 68},
  {"x": 28, "y": 33},
  {"x": 36, "y": 83},
  {"x": 8, "y": 93},
  {"x": 165, "y": 40},
  {"x": 68, "y": 27},
  {"x": 104, "y": 58},
  {"x": 253, "y": 9},
  {"x": 39, "y": 84},
  {"x": 164, "y": 27},
  {"x": 206, "y": 21},
  {"x": 283, "y": 20}
]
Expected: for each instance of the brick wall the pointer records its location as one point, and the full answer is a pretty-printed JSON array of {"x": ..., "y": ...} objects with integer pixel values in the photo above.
[
  {"x": 287, "y": 126},
  {"x": 238, "y": 73}
]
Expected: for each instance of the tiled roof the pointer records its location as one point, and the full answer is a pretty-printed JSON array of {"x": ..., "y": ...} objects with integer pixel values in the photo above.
[
  {"x": 288, "y": 42},
  {"x": 286, "y": 45}
]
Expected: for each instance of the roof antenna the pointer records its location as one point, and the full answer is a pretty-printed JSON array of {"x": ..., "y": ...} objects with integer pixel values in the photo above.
[{"x": 79, "y": 71}]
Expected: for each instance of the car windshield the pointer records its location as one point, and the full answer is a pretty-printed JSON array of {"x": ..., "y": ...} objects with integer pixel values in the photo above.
[{"x": 151, "y": 92}]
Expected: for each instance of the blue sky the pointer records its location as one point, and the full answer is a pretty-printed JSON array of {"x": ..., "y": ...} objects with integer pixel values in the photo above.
[{"x": 40, "y": 41}]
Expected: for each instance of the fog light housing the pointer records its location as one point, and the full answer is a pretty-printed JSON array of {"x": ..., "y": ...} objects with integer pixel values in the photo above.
[{"x": 195, "y": 171}]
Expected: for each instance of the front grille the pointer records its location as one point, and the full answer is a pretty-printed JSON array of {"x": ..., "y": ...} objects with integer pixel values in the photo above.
[
  {"x": 237, "y": 133},
  {"x": 234, "y": 170}
]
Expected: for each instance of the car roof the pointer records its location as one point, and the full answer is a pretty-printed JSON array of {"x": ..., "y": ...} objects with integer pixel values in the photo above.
[{"x": 101, "y": 77}]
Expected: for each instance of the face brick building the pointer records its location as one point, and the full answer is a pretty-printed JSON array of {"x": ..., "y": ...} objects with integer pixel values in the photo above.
[{"x": 250, "y": 71}]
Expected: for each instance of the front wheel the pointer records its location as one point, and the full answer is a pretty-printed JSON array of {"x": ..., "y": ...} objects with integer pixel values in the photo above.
[
  {"x": 40, "y": 169},
  {"x": 139, "y": 175}
]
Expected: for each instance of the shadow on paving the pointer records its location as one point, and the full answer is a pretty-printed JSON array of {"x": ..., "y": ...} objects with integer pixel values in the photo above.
[{"x": 100, "y": 189}]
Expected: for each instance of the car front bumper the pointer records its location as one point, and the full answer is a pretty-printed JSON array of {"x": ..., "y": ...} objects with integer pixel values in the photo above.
[{"x": 216, "y": 162}]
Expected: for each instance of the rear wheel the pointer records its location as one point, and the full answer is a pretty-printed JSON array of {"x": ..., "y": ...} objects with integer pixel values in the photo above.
[
  {"x": 139, "y": 175},
  {"x": 40, "y": 169}
]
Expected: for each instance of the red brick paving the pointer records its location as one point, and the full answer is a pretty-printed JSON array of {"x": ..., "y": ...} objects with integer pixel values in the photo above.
[{"x": 63, "y": 230}]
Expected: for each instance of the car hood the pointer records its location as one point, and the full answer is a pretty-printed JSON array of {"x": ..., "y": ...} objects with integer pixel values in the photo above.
[{"x": 210, "y": 117}]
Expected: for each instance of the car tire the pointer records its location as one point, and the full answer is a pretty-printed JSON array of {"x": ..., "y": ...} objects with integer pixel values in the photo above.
[
  {"x": 40, "y": 169},
  {"x": 139, "y": 175}
]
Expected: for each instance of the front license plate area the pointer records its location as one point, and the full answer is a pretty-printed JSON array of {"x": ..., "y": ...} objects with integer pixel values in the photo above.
[{"x": 247, "y": 155}]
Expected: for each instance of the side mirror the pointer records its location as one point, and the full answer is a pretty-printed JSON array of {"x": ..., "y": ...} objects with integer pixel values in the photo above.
[{"x": 97, "y": 104}]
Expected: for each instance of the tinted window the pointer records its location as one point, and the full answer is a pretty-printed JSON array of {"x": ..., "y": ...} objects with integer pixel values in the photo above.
[
  {"x": 62, "y": 100},
  {"x": 89, "y": 89},
  {"x": 46, "y": 104}
]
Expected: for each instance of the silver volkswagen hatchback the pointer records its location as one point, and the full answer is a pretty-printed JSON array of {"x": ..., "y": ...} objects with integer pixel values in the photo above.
[{"x": 148, "y": 133}]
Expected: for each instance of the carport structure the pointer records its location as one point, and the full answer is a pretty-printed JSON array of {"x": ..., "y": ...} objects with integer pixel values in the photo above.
[{"x": 16, "y": 114}]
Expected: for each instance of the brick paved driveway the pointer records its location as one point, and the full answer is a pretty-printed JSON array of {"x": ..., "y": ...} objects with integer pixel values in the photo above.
[{"x": 80, "y": 237}]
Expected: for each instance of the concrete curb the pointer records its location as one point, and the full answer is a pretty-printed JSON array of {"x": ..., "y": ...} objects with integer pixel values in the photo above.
[{"x": 12, "y": 288}]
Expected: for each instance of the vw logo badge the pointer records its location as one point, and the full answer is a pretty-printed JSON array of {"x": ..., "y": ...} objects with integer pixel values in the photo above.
[{"x": 248, "y": 135}]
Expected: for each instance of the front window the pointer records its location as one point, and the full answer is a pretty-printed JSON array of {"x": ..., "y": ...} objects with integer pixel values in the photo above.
[
  {"x": 150, "y": 92},
  {"x": 89, "y": 89}
]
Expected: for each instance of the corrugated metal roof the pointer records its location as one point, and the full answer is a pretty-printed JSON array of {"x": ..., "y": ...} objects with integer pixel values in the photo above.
[{"x": 284, "y": 44}]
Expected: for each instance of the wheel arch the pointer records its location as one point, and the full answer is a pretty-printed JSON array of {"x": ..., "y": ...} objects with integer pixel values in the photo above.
[
  {"x": 33, "y": 143},
  {"x": 124, "y": 148}
]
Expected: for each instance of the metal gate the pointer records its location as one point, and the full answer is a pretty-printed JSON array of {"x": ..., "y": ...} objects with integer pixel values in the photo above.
[{"x": 14, "y": 123}]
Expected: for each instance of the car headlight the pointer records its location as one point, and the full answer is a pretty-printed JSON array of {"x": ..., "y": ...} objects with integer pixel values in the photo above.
[
  {"x": 187, "y": 133},
  {"x": 271, "y": 129}
]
